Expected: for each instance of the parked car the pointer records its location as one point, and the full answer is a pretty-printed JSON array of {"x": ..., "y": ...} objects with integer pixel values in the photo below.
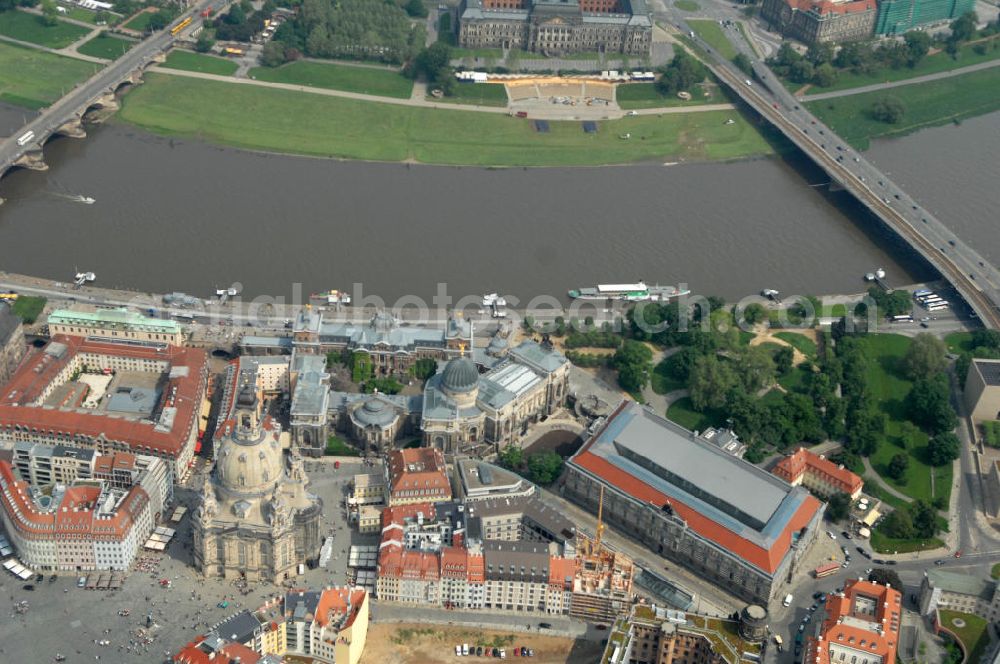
[{"x": 846, "y": 534}]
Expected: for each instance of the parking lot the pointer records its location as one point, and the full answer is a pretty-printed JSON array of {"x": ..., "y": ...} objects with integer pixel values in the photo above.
[{"x": 145, "y": 621}]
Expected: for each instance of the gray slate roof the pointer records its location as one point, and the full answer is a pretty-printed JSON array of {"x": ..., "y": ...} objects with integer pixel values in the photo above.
[{"x": 8, "y": 323}]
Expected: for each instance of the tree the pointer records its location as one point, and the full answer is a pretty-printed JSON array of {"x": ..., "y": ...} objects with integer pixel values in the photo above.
[
  {"x": 157, "y": 21},
  {"x": 986, "y": 339},
  {"x": 755, "y": 313},
  {"x": 825, "y": 75},
  {"x": 865, "y": 429},
  {"x": 928, "y": 405},
  {"x": 273, "y": 54},
  {"x": 545, "y": 467},
  {"x": 710, "y": 383},
  {"x": 898, "y": 524},
  {"x": 633, "y": 362},
  {"x": 925, "y": 357},
  {"x": 7, "y": 5},
  {"x": 755, "y": 367},
  {"x": 415, "y": 9},
  {"x": 820, "y": 53},
  {"x": 943, "y": 448},
  {"x": 838, "y": 506},
  {"x": 511, "y": 457},
  {"x": 924, "y": 518},
  {"x": 680, "y": 73},
  {"x": 898, "y": 466},
  {"x": 889, "y": 110},
  {"x": 802, "y": 71},
  {"x": 918, "y": 43},
  {"x": 432, "y": 63},
  {"x": 205, "y": 43},
  {"x": 50, "y": 15},
  {"x": 742, "y": 62},
  {"x": 424, "y": 368},
  {"x": 783, "y": 358},
  {"x": 964, "y": 27},
  {"x": 886, "y": 577}
]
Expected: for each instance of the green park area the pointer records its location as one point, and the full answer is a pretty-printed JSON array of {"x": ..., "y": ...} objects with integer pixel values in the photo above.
[
  {"x": 970, "y": 629},
  {"x": 336, "y": 446},
  {"x": 645, "y": 95},
  {"x": 476, "y": 94},
  {"x": 683, "y": 412},
  {"x": 78, "y": 13},
  {"x": 925, "y": 105},
  {"x": 205, "y": 64},
  {"x": 365, "y": 80},
  {"x": 32, "y": 28},
  {"x": 140, "y": 21},
  {"x": 105, "y": 46},
  {"x": 932, "y": 64},
  {"x": 711, "y": 33},
  {"x": 33, "y": 79},
  {"x": 687, "y": 5},
  {"x": 889, "y": 388},
  {"x": 28, "y": 308},
  {"x": 304, "y": 123}
]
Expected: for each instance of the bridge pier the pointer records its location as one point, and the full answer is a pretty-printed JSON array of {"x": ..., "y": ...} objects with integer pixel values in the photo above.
[
  {"x": 33, "y": 160},
  {"x": 73, "y": 129},
  {"x": 103, "y": 108}
]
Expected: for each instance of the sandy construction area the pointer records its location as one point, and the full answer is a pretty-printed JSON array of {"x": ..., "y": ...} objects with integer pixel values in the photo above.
[{"x": 434, "y": 644}]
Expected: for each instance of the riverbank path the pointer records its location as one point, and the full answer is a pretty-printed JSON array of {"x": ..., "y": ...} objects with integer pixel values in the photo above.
[{"x": 926, "y": 78}]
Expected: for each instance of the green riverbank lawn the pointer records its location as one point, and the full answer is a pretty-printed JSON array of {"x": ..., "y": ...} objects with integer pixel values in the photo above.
[
  {"x": 29, "y": 27},
  {"x": 267, "y": 119},
  {"x": 711, "y": 32},
  {"x": 644, "y": 95},
  {"x": 33, "y": 79},
  {"x": 477, "y": 94},
  {"x": 932, "y": 64},
  {"x": 206, "y": 64},
  {"x": 105, "y": 46},
  {"x": 366, "y": 80},
  {"x": 927, "y": 105}
]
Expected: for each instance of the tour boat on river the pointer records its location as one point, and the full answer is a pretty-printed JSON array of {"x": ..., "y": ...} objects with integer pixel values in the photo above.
[{"x": 637, "y": 292}]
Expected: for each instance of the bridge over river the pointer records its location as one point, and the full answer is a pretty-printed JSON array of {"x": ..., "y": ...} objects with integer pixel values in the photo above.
[
  {"x": 65, "y": 116},
  {"x": 975, "y": 279}
]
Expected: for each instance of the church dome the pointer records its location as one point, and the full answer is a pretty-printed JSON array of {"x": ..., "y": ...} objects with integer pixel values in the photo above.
[
  {"x": 249, "y": 468},
  {"x": 375, "y": 412},
  {"x": 460, "y": 375}
]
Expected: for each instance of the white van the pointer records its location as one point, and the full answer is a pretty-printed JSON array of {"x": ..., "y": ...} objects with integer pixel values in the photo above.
[{"x": 788, "y": 600}]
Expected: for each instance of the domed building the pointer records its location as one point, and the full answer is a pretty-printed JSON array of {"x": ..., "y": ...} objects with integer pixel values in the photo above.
[
  {"x": 256, "y": 521},
  {"x": 465, "y": 412}
]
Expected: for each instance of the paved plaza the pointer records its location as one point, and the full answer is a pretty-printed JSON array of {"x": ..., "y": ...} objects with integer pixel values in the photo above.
[{"x": 74, "y": 622}]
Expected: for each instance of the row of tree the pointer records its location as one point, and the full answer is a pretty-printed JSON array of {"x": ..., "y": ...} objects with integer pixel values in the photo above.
[{"x": 542, "y": 468}]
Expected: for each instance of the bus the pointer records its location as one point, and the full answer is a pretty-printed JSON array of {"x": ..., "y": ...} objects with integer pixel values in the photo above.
[
  {"x": 905, "y": 318},
  {"x": 8, "y": 297},
  {"x": 922, "y": 292},
  {"x": 931, "y": 301},
  {"x": 826, "y": 570},
  {"x": 180, "y": 26},
  {"x": 229, "y": 50},
  {"x": 937, "y": 307}
]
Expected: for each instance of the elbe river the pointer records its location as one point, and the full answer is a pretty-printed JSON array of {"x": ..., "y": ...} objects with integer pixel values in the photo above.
[{"x": 179, "y": 215}]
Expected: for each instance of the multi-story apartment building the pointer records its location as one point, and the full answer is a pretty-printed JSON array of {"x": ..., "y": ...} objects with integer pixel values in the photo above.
[
  {"x": 116, "y": 323},
  {"x": 860, "y": 626},
  {"x": 416, "y": 475},
  {"x": 329, "y": 626},
  {"x": 95, "y": 394},
  {"x": 89, "y": 524},
  {"x": 12, "y": 345},
  {"x": 690, "y": 501},
  {"x": 898, "y": 16},
  {"x": 818, "y": 474}
]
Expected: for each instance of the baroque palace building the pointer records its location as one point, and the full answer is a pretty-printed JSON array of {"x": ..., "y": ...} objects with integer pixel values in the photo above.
[
  {"x": 556, "y": 27},
  {"x": 257, "y": 520}
]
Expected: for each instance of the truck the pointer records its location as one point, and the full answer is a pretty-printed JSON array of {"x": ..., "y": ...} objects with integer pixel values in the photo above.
[
  {"x": 302, "y": 569},
  {"x": 787, "y": 601},
  {"x": 25, "y": 138},
  {"x": 778, "y": 642}
]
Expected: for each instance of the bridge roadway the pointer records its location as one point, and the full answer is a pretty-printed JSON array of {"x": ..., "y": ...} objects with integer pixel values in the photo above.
[
  {"x": 71, "y": 107},
  {"x": 975, "y": 279}
]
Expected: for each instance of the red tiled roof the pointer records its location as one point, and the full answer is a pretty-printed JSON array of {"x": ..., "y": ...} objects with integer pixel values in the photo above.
[
  {"x": 193, "y": 654},
  {"x": 824, "y": 7},
  {"x": 805, "y": 461},
  {"x": 18, "y": 397},
  {"x": 333, "y": 604},
  {"x": 765, "y": 559},
  {"x": 36, "y": 524},
  {"x": 882, "y": 637},
  {"x": 561, "y": 572},
  {"x": 420, "y": 468}
]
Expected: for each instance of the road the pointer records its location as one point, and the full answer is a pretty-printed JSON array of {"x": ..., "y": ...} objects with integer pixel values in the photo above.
[
  {"x": 976, "y": 280},
  {"x": 106, "y": 80}
]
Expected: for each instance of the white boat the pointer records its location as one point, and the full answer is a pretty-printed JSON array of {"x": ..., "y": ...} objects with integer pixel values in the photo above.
[
  {"x": 87, "y": 200},
  {"x": 333, "y": 297},
  {"x": 494, "y": 300},
  {"x": 769, "y": 293},
  {"x": 637, "y": 292},
  {"x": 84, "y": 277}
]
